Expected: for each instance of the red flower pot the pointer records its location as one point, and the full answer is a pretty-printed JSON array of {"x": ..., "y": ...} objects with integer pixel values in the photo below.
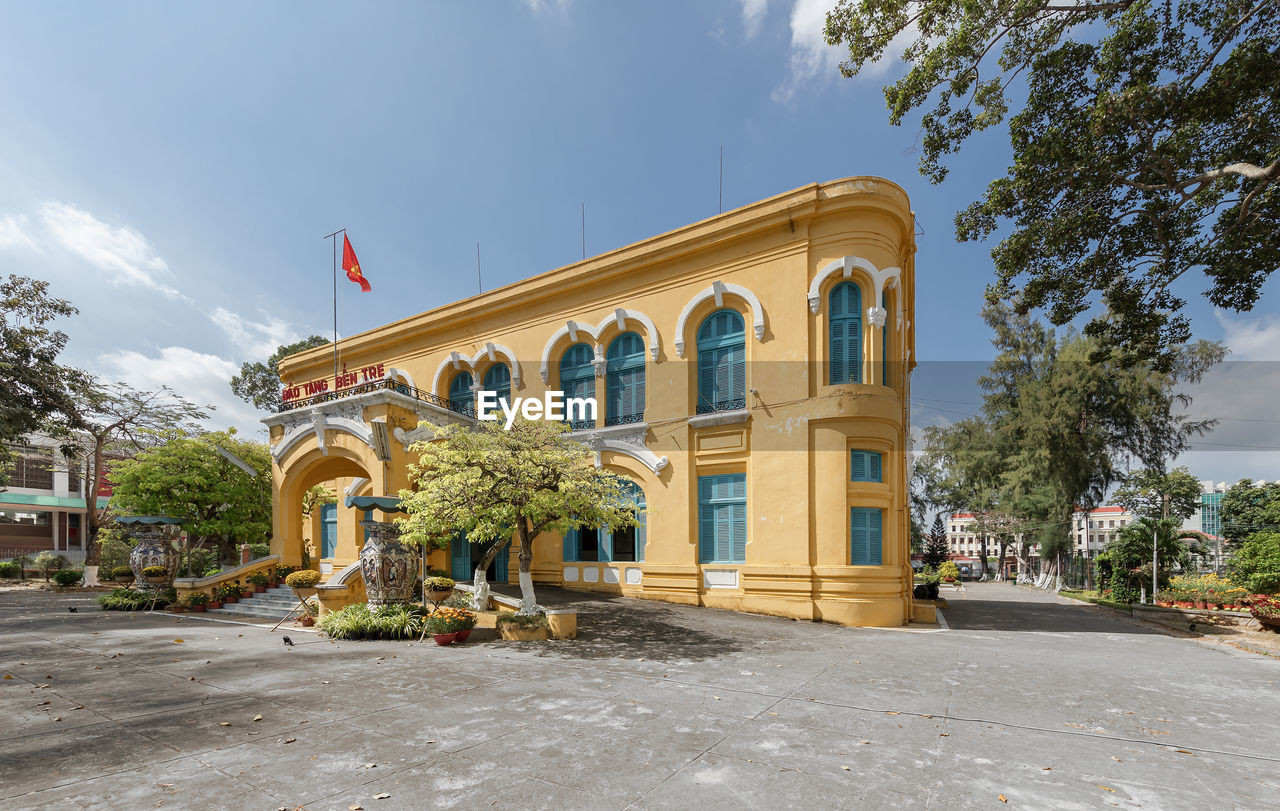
[
  {"x": 1163, "y": 603},
  {"x": 215, "y": 604},
  {"x": 232, "y": 599},
  {"x": 197, "y": 608},
  {"x": 445, "y": 639},
  {"x": 259, "y": 589},
  {"x": 1183, "y": 604},
  {"x": 461, "y": 636},
  {"x": 307, "y": 620},
  {"x": 247, "y": 593},
  {"x": 1201, "y": 604}
]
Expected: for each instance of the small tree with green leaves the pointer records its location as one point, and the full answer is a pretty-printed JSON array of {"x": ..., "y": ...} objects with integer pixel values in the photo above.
[
  {"x": 1154, "y": 494},
  {"x": 1256, "y": 564},
  {"x": 935, "y": 545},
  {"x": 489, "y": 484}
]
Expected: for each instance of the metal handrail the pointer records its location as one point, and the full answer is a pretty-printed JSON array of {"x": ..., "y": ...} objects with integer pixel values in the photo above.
[
  {"x": 466, "y": 409},
  {"x": 721, "y": 405}
]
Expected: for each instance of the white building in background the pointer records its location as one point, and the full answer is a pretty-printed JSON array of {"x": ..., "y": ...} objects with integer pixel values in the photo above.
[
  {"x": 1092, "y": 531},
  {"x": 43, "y": 505}
]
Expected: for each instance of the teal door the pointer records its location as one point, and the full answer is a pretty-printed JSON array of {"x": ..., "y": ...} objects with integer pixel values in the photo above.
[
  {"x": 328, "y": 530},
  {"x": 463, "y": 557}
]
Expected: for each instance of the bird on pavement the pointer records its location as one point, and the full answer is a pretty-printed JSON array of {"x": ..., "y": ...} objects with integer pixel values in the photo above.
[
  {"x": 71, "y": 608},
  {"x": 288, "y": 641}
]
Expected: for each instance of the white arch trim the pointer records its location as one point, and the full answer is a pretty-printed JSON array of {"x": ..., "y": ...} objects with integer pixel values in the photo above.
[
  {"x": 717, "y": 290},
  {"x": 880, "y": 279},
  {"x": 574, "y": 330},
  {"x": 490, "y": 350},
  {"x": 393, "y": 373},
  {"x": 318, "y": 424},
  {"x": 644, "y": 456}
]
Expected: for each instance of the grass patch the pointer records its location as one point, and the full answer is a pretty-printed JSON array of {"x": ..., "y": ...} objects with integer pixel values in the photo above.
[
  {"x": 132, "y": 600},
  {"x": 358, "y": 621}
]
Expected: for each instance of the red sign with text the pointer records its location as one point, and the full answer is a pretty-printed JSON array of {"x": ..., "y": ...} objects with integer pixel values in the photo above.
[{"x": 342, "y": 381}]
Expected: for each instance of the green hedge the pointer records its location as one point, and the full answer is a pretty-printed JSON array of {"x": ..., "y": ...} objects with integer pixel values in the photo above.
[{"x": 131, "y": 600}]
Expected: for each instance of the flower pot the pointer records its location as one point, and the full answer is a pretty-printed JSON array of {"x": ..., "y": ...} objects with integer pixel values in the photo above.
[
  {"x": 1183, "y": 604},
  {"x": 307, "y": 620},
  {"x": 215, "y": 604},
  {"x": 461, "y": 636},
  {"x": 1201, "y": 604},
  {"x": 232, "y": 599},
  {"x": 259, "y": 589},
  {"x": 156, "y": 580},
  {"x": 197, "y": 608},
  {"x": 1164, "y": 603},
  {"x": 439, "y": 596},
  {"x": 177, "y": 609},
  {"x": 247, "y": 593},
  {"x": 445, "y": 639},
  {"x": 514, "y": 633}
]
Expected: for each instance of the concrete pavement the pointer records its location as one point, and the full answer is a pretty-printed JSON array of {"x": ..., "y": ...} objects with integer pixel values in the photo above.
[{"x": 1043, "y": 701}]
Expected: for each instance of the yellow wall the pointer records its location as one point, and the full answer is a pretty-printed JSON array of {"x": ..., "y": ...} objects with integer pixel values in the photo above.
[{"x": 794, "y": 448}]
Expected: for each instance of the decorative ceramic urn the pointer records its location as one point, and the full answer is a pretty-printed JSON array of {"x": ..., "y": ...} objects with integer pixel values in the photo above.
[
  {"x": 390, "y": 568},
  {"x": 153, "y": 549}
]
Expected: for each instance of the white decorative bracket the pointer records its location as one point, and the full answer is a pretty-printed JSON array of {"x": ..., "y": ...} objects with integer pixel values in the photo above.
[
  {"x": 618, "y": 317},
  {"x": 880, "y": 279},
  {"x": 717, "y": 291}
]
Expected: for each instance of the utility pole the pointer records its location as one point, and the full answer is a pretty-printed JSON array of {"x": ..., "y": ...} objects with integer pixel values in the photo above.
[{"x": 1155, "y": 561}]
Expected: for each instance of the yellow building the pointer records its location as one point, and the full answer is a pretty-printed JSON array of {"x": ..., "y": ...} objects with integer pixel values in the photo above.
[{"x": 753, "y": 377}]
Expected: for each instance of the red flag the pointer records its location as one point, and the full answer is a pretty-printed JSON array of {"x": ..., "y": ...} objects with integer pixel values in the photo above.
[{"x": 352, "y": 265}]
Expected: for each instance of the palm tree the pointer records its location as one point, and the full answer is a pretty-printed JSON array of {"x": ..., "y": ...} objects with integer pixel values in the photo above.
[{"x": 1132, "y": 551}]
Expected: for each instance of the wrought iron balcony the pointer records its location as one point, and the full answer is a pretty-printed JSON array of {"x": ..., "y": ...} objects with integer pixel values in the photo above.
[
  {"x": 464, "y": 408},
  {"x": 580, "y": 425},
  {"x": 624, "y": 419},
  {"x": 705, "y": 407}
]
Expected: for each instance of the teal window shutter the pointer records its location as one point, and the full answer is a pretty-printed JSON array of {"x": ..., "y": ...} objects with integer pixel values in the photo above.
[
  {"x": 624, "y": 378},
  {"x": 460, "y": 557},
  {"x": 722, "y": 518},
  {"x": 577, "y": 375},
  {"x": 866, "y": 537},
  {"x": 722, "y": 361},
  {"x": 866, "y": 466},
  {"x": 845, "y": 333},
  {"x": 498, "y": 380},
  {"x": 500, "y": 565},
  {"x": 571, "y": 544}
]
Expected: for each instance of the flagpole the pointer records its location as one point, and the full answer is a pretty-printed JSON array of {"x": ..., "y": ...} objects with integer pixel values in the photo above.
[{"x": 334, "y": 236}]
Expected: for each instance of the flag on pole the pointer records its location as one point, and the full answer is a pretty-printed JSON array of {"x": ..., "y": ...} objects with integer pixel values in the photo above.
[{"x": 352, "y": 265}]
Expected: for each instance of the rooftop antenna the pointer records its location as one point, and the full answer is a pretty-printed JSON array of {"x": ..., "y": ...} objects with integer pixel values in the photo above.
[
  {"x": 722, "y": 178},
  {"x": 584, "y": 230},
  {"x": 479, "y": 279},
  {"x": 333, "y": 236}
]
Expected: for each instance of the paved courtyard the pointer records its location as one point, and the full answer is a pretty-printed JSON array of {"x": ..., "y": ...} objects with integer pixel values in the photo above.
[{"x": 1028, "y": 698}]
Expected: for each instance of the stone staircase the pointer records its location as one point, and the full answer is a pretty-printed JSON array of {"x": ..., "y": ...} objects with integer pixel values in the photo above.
[{"x": 271, "y": 604}]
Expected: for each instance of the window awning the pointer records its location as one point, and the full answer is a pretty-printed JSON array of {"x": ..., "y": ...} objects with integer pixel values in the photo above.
[
  {"x": 387, "y": 504},
  {"x": 36, "y": 500}
]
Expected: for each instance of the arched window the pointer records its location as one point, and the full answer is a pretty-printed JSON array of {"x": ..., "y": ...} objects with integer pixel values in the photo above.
[
  {"x": 578, "y": 379},
  {"x": 498, "y": 380},
  {"x": 461, "y": 398},
  {"x": 722, "y": 362},
  {"x": 624, "y": 380},
  {"x": 845, "y": 334}
]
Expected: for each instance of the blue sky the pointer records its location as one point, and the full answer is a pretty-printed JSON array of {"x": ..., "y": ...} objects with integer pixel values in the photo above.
[{"x": 172, "y": 168}]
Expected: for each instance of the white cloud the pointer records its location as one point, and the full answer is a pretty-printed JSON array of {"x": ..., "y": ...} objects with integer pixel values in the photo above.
[
  {"x": 256, "y": 341},
  {"x": 1249, "y": 338},
  {"x": 123, "y": 253},
  {"x": 812, "y": 59},
  {"x": 752, "y": 15},
  {"x": 539, "y": 6},
  {"x": 201, "y": 378},
  {"x": 15, "y": 233}
]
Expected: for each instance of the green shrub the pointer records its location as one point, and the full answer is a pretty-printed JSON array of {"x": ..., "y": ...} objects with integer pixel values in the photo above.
[
  {"x": 199, "y": 560},
  {"x": 305, "y": 579},
  {"x": 1256, "y": 564},
  {"x": 283, "y": 572},
  {"x": 68, "y": 577},
  {"x": 212, "y": 572},
  {"x": 358, "y": 621},
  {"x": 114, "y": 548},
  {"x": 459, "y": 599},
  {"x": 197, "y": 598},
  {"x": 10, "y": 569},
  {"x": 130, "y": 600},
  {"x": 522, "y": 620},
  {"x": 50, "y": 562},
  {"x": 259, "y": 550},
  {"x": 949, "y": 570}
]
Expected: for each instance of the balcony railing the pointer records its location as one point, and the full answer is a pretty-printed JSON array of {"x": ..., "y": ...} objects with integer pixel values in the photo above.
[
  {"x": 580, "y": 425},
  {"x": 624, "y": 419},
  {"x": 705, "y": 407},
  {"x": 464, "y": 408}
]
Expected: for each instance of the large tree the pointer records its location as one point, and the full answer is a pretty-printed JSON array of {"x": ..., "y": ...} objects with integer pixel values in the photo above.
[
  {"x": 1152, "y": 493},
  {"x": 1247, "y": 508},
  {"x": 259, "y": 382},
  {"x": 110, "y": 423},
  {"x": 34, "y": 387},
  {"x": 935, "y": 544},
  {"x": 489, "y": 484},
  {"x": 1145, "y": 138},
  {"x": 188, "y": 478}
]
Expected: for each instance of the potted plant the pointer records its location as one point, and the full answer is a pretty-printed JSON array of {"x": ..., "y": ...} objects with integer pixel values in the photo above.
[
  {"x": 949, "y": 572},
  {"x": 522, "y": 627},
  {"x": 246, "y": 591},
  {"x": 283, "y": 572},
  {"x": 458, "y": 621},
  {"x": 155, "y": 574},
  {"x": 122, "y": 575},
  {"x": 1266, "y": 610},
  {"x": 229, "y": 593},
  {"x": 443, "y": 625},
  {"x": 438, "y": 589},
  {"x": 259, "y": 581},
  {"x": 304, "y": 580},
  {"x": 197, "y": 600}
]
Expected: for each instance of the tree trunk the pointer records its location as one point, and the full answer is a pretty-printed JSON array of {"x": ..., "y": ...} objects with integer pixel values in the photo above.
[
  {"x": 480, "y": 578},
  {"x": 528, "y": 604},
  {"x": 93, "y": 471},
  {"x": 982, "y": 554},
  {"x": 1002, "y": 546}
]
